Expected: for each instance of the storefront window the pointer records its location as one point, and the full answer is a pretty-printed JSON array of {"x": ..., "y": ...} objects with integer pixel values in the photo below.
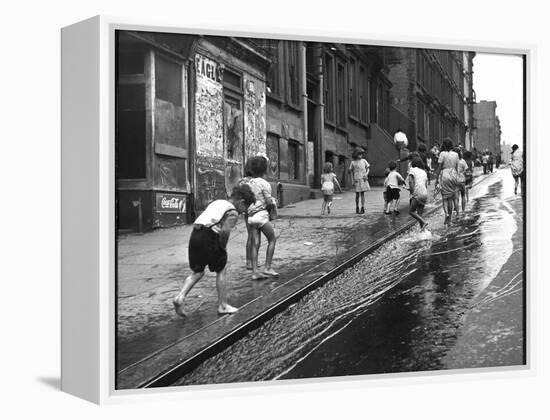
[
  {"x": 131, "y": 131},
  {"x": 168, "y": 80},
  {"x": 293, "y": 161}
]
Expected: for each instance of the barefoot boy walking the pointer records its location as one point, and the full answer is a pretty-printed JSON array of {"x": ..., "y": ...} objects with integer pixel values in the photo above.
[{"x": 207, "y": 245}]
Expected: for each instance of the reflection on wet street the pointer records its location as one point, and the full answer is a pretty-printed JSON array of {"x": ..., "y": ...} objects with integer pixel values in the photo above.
[{"x": 397, "y": 310}]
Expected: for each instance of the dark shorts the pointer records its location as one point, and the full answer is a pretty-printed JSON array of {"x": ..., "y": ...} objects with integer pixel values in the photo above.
[
  {"x": 416, "y": 205},
  {"x": 327, "y": 197},
  {"x": 392, "y": 193},
  {"x": 205, "y": 250}
]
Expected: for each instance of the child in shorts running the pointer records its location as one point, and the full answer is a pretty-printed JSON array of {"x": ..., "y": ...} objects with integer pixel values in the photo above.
[
  {"x": 328, "y": 182},
  {"x": 207, "y": 245},
  {"x": 417, "y": 181},
  {"x": 384, "y": 193},
  {"x": 392, "y": 182}
]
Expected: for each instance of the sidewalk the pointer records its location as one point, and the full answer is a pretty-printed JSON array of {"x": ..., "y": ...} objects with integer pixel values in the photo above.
[{"x": 310, "y": 249}]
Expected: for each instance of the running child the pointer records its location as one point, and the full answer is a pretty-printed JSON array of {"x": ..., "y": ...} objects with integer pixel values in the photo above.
[
  {"x": 328, "y": 181},
  {"x": 469, "y": 172},
  {"x": 392, "y": 183},
  {"x": 384, "y": 192},
  {"x": 461, "y": 171},
  {"x": 417, "y": 181},
  {"x": 207, "y": 245}
]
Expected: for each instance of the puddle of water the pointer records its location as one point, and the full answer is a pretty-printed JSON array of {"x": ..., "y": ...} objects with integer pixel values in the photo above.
[{"x": 396, "y": 310}]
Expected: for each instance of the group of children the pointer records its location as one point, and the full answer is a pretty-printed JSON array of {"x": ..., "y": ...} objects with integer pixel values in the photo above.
[
  {"x": 416, "y": 182},
  {"x": 211, "y": 230},
  {"x": 252, "y": 196}
]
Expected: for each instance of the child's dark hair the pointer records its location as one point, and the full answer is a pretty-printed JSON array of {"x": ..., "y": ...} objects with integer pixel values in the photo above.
[
  {"x": 392, "y": 165},
  {"x": 247, "y": 170},
  {"x": 467, "y": 154},
  {"x": 417, "y": 163},
  {"x": 327, "y": 168},
  {"x": 243, "y": 192},
  {"x": 447, "y": 144},
  {"x": 421, "y": 147},
  {"x": 258, "y": 166},
  {"x": 356, "y": 154}
]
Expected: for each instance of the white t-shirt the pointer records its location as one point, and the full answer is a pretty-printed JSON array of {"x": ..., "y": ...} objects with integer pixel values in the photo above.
[
  {"x": 400, "y": 137},
  {"x": 392, "y": 180},
  {"x": 214, "y": 213}
]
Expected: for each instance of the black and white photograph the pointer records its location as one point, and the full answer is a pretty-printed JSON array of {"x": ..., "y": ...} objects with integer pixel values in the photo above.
[
  {"x": 294, "y": 208},
  {"x": 276, "y": 210}
]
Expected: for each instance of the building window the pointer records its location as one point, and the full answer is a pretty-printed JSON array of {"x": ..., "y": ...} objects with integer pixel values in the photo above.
[
  {"x": 275, "y": 50},
  {"x": 168, "y": 80},
  {"x": 293, "y": 161},
  {"x": 353, "y": 88},
  {"x": 131, "y": 131},
  {"x": 386, "y": 108},
  {"x": 232, "y": 80},
  {"x": 329, "y": 88},
  {"x": 341, "y": 95},
  {"x": 363, "y": 88},
  {"x": 273, "y": 153},
  {"x": 373, "y": 98},
  {"x": 293, "y": 72},
  {"x": 420, "y": 118},
  {"x": 130, "y": 125},
  {"x": 131, "y": 62}
]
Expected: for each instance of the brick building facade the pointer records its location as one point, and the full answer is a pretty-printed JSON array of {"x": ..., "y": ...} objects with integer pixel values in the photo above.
[
  {"x": 488, "y": 131},
  {"x": 191, "y": 109},
  {"x": 432, "y": 95}
]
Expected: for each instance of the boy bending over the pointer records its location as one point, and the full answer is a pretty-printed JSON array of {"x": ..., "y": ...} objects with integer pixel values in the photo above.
[{"x": 208, "y": 241}]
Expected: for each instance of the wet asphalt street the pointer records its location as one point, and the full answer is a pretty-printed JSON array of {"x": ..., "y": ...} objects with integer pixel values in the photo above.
[{"x": 449, "y": 299}]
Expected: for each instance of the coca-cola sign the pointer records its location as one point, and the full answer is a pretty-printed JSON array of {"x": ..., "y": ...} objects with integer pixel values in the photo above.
[{"x": 171, "y": 203}]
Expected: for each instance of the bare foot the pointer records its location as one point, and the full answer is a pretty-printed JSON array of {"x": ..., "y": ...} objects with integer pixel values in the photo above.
[
  {"x": 226, "y": 308},
  {"x": 271, "y": 272},
  {"x": 178, "y": 305},
  {"x": 258, "y": 276}
]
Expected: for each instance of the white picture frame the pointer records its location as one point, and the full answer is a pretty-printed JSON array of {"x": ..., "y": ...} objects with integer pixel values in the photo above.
[{"x": 88, "y": 206}]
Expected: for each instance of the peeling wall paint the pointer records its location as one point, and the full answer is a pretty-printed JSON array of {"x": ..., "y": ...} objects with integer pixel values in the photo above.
[
  {"x": 209, "y": 115},
  {"x": 227, "y": 132},
  {"x": 255, "y": 117},
  {"x": 210, "y": 164}
]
